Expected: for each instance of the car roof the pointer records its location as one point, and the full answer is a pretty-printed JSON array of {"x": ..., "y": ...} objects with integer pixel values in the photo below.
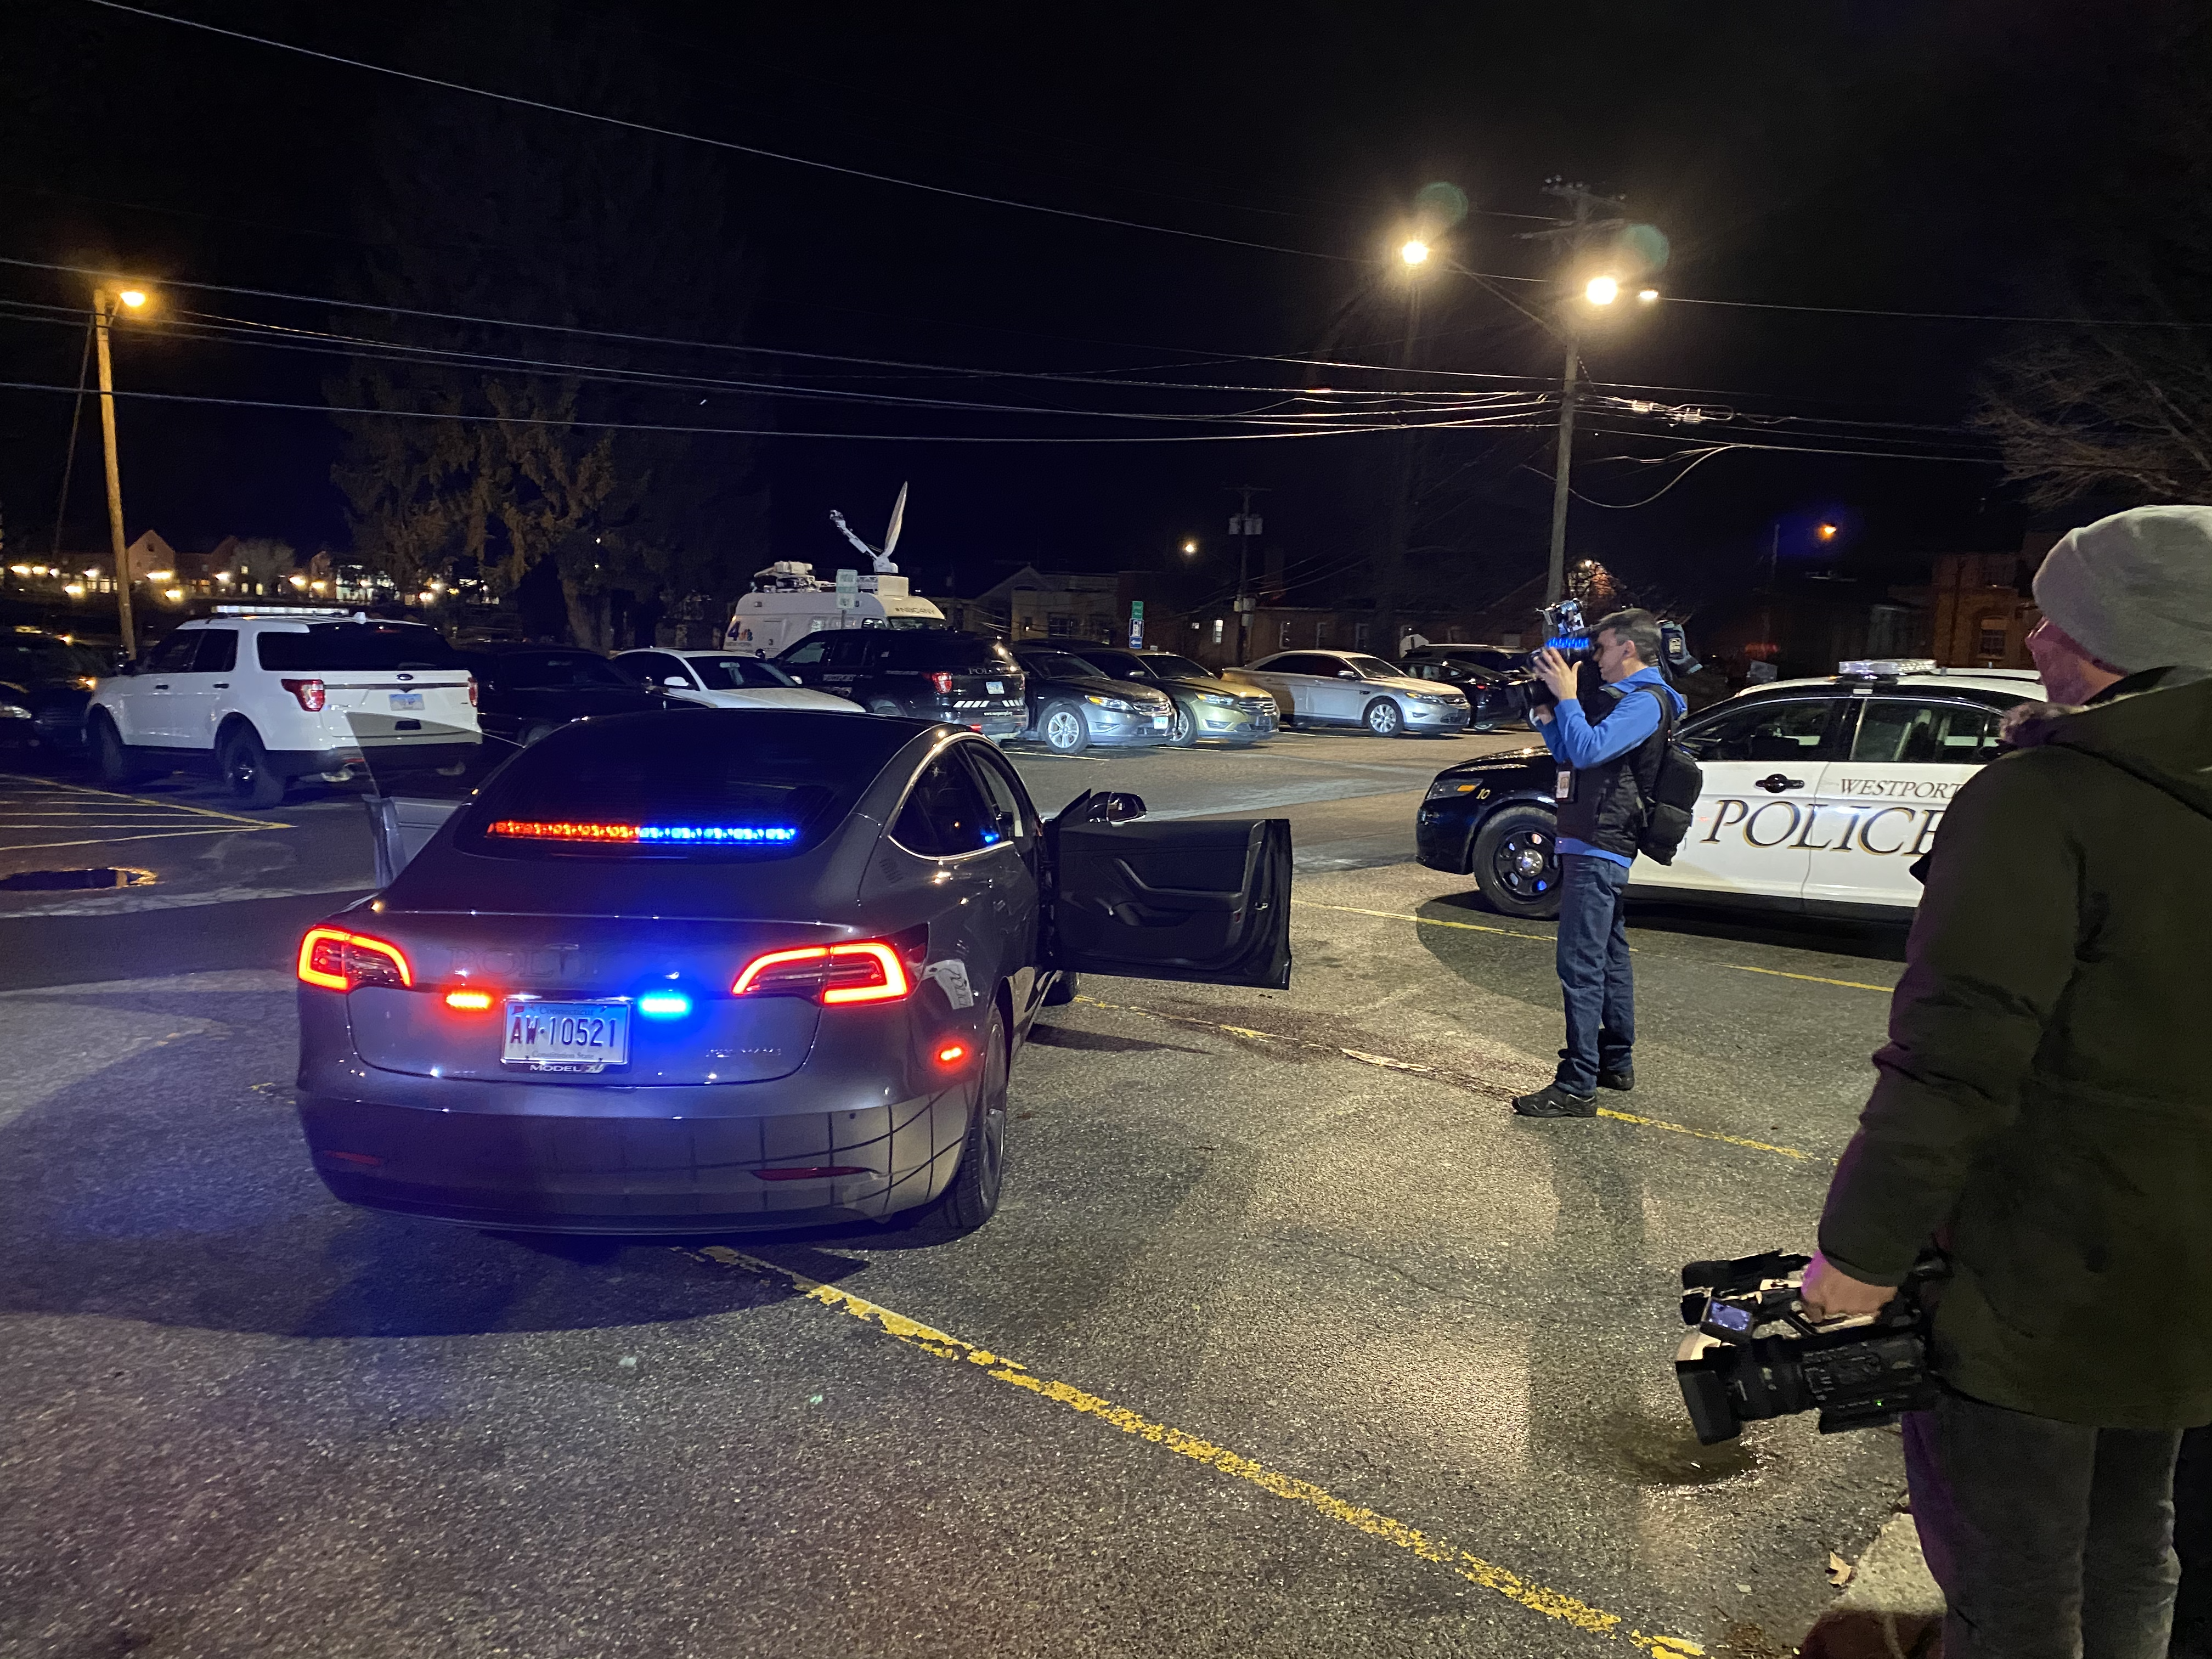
[{"x": 2020, "y": 682}]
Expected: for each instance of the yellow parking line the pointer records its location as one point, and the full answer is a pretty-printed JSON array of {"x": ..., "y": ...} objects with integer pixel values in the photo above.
[
  {"x": 1554, "y": 1604},
  {"x": 143, "y": 800},
  {"x": 1848, "y": 984},
  {"x": 1472, "y": 1085}
]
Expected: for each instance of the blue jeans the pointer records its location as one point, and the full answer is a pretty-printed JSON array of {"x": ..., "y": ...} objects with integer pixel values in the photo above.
[{"x": 1594, "y": 972}]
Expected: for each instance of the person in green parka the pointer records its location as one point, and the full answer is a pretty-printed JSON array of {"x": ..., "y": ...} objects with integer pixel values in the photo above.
[{"x": 2044, "y": 1116}]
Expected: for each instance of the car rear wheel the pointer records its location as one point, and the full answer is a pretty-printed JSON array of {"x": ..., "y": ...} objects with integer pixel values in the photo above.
[
  {"x": 1384, "y": 719},
  {"x": 1516, "y": 862},
  {"x": 114, "y": 762},
  {"x": 1063, "y": 990},
  {"x": 1182, "y": 729},
  {"x": 887, "y": 709},
  {"x": 1064, "y": 729},
  {"x": 973, "y": 1197},
  {"x": 244, "y": 765}
]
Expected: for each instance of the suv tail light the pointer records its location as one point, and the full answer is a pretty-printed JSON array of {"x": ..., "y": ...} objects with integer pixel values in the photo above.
[
  {"x": 311, "y": 693},
  {"x": 867, "y": 972},
  {"x": 339, "y": 961},
  {"x": 942, "y": 683},
  {"x": 472, "y": 691}
]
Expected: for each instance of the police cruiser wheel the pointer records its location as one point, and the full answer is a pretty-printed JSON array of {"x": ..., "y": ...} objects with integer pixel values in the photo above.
[
  {"x": 1517, "y": 863},
  {"x": 1384, "y": 719}
]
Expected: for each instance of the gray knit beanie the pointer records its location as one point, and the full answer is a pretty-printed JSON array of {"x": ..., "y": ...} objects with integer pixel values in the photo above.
[{"x": 2135, "y": 590}]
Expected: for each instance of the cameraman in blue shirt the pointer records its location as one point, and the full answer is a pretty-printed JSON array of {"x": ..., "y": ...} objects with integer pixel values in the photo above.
[{"x": 1609, "y": 760}]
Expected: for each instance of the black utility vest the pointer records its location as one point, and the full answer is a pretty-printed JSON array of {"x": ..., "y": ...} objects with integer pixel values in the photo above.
[{"x": 1607, "y": 804}]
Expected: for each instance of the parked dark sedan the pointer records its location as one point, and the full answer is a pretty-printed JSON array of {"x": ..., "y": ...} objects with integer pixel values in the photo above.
[
  {"x": 1206, "y": 705},
  {"x": 46, "y": 683},
  {"x": 710, "y": 969},
  {"x": 1495, "y": 697},
  {"x": 1074, "y": 704},
  {"x": 526, "y": 692}
]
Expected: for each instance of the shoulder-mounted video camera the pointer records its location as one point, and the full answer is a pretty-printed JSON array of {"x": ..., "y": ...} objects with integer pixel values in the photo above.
[
  {"x": 1754, "y": 1354},
  {"x": 1566, "y": 632}
]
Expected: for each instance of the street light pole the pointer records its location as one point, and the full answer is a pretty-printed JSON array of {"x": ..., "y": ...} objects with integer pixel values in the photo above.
[{"x": 100, "y": 314}]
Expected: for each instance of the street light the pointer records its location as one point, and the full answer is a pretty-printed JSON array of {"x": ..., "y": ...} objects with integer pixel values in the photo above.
[
  {"x": 1601, "y": 290},
  {"x": 1415, "y": 251},
  {"x": 132, "y": 299},
  {"x": 1190, "y": 546},
  {"x": 1828, "y": 532},
  {"x": 1647, "y": 294}
]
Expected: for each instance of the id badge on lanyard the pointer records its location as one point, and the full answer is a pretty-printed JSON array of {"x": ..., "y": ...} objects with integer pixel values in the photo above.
[{"x": 1563, "y": 789}]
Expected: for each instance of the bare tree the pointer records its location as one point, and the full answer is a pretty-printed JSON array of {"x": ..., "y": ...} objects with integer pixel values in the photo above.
[{"x": 2108, "y": 412}]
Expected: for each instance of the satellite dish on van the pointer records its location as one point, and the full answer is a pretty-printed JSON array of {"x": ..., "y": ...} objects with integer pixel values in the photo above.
[{"x": 883, "y": 567}]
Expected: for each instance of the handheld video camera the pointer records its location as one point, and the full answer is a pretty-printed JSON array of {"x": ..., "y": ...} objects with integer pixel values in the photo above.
[
  {"x": 1566, "y": 632},
  {"x": 1752, "y": 1352}
]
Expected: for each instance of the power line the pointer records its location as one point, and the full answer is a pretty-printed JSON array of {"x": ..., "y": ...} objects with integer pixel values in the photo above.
[
  {"x": 719, "y": 143},
  {"x": 712, "y": 431}
]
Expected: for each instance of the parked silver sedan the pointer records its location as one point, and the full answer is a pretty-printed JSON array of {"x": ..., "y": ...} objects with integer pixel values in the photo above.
[{"x": 1350, "y": 687}]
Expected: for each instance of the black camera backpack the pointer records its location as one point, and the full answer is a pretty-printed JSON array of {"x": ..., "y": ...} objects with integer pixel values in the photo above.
[{"x": 1670, "y": 798}]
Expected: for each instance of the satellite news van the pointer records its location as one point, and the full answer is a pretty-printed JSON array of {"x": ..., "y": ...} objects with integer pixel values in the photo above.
[{"x": 787, "y": 602}]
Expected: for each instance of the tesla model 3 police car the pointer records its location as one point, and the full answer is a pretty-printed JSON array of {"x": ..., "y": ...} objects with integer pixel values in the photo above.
[
  {"x": 1820, "y": 795},
  {"x": 707, "y": 969}
]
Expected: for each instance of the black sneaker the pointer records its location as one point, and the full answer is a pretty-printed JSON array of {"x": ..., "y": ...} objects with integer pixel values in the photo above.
[
  {"x": 1552, "y": 1101},
  {"x": 1623, "y": 1079}
]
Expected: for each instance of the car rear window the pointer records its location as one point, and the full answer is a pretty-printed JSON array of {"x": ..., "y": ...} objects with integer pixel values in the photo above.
[
  {"x": 687, "y": 784},
  {"x": 326, "y": 648},
  {"x": 738, "y": 674},
  {"x": 1059, "y": 665},
  {"x": 942, "y": 650},
  {"x": 554, "y": 670}
]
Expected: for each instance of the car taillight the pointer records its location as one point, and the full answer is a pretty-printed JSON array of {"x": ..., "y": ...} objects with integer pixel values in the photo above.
[
  {"x": 311, "y": 693},
  {"x": 942, "y": 683},
  {"x": 472, "y": 691},
  {"x": 866, "y": 972},
  {"x": 339, "y": 961}
]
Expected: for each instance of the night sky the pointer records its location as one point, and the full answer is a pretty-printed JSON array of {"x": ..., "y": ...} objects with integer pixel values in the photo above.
[{"x": 1884, "y": 155}]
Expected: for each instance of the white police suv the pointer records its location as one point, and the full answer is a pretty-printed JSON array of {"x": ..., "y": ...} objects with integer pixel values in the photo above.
[
  {"x": 266, "y": 696},
  {"x": 1819, "y": 794}
]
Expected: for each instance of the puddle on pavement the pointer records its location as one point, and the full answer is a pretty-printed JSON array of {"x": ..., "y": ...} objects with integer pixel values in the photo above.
[
  {"x": 1654, "y": 1452},
  {"x": 72, "y": 881}
]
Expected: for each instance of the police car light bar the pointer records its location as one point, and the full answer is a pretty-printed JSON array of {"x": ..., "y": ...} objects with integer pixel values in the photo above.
[
  {"x": 1887, "y": 668},
  {"x": 284, "y": 611}
]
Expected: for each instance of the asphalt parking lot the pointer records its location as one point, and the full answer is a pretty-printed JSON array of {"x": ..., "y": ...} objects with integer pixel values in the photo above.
[{"x": 1289, "y": 1337}]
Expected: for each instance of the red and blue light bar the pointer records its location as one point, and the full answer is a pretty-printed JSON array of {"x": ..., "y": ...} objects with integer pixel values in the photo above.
[{"x": 702, "y": 835}]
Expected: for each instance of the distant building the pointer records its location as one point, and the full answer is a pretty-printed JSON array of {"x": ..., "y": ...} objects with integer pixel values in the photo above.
[
  {"x": 1038, "y": 605},
  {"x": 1981, "y": 605}
]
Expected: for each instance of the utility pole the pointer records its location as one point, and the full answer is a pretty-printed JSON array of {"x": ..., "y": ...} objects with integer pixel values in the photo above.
[
  {"x": 1245, "y": 526},
  {"x": 1576, "y": 233},
  {"x": 100, "y": 316}
]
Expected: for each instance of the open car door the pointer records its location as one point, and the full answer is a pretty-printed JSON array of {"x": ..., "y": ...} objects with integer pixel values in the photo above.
[
  {"x": 408, "y": 801},
  {"x": 1189, "y": 899}
]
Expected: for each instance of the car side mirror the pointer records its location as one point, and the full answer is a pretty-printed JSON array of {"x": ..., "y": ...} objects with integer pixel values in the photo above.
[
  {"x": 1116, "y": 807},
  {"x": 1345, "y": 674},
  {"x": 676, "y": 681}
]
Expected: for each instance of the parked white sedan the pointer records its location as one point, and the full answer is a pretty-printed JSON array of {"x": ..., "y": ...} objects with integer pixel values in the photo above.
[
  {"x": 1350, "y": 687},
  {"x": 722, "y": 679}
]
